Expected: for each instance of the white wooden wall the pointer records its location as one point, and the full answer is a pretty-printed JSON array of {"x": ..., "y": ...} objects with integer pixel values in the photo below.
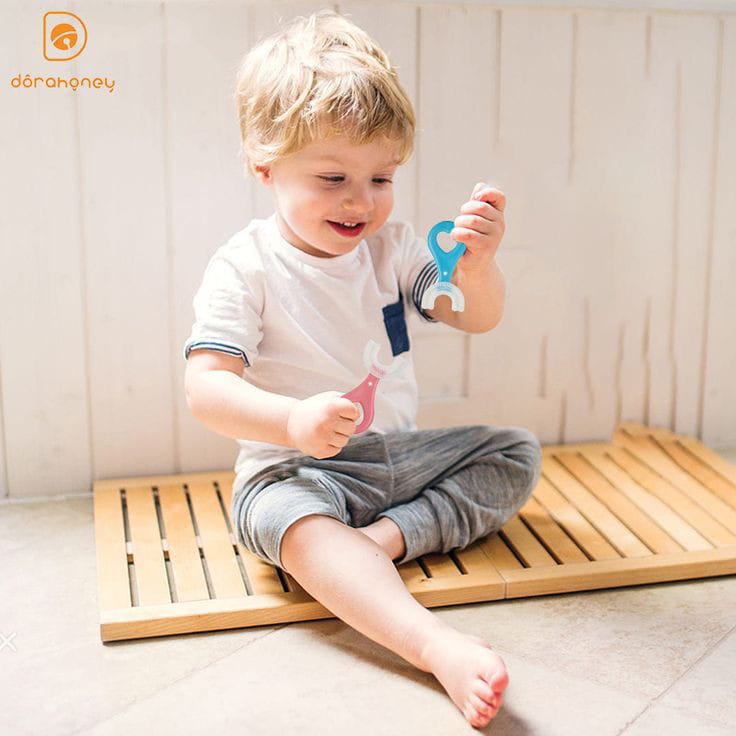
[{"x": 610, "y": 129}]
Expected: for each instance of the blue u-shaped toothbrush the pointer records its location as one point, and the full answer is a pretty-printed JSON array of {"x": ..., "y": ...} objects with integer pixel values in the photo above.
[{"x": 446, "y": 262}]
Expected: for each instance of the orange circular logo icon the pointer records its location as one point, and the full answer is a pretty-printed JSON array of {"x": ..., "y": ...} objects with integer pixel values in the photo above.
[{"x": 64, "y": 36}]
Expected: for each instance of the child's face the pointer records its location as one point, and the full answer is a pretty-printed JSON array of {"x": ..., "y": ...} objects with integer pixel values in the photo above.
[{"x": 332, "y": 181}]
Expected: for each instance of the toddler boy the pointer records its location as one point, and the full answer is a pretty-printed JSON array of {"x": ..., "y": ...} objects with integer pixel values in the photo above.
[{"x": 283, "y": 314}]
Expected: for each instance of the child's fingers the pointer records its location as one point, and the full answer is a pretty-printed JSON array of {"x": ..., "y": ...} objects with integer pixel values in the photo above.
[
  {"x": 484, "y": 209},
  {"x": 495, "y": 197},
  {"x": 347, "y": 409},
  {"x": 479, "y": 185},
  {"x": 338, "y": 439},
  {"x": 463, "y": 235},
  {"x": 474, "y": 222},
  {"x": 345, "y": 427}
]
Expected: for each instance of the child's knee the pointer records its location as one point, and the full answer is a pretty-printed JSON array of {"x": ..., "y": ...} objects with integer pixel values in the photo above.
[
  {"x": 534, "y": 457},
  {"x": 531, "y": 463},
  {"x": 305, "y": 525},
  {"x": 524, "y": 453},
  {"x": 525, "y": 465}
]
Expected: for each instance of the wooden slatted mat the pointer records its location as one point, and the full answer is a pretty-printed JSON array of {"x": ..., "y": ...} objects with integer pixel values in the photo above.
[{"x": 650, "y": 506}]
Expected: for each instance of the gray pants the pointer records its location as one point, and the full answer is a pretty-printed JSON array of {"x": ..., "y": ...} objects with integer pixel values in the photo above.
[{"x": 444, "y": 488}]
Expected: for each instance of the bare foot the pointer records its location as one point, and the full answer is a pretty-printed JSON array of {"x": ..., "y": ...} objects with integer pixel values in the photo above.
[{"x": 473, "y": 675}]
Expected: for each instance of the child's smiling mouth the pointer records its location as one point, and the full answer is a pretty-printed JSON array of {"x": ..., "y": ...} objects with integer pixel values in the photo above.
[{"x": 349, "y": 232}]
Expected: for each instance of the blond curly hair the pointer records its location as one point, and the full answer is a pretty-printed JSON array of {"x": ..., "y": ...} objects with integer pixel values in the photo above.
[{"x": 318, "y": 77}]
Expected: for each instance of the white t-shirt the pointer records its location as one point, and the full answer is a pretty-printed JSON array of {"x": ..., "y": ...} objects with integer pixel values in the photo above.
[{"x": 301, "y": 323}]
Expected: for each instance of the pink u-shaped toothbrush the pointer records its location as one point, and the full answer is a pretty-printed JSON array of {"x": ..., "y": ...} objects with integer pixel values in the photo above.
[{"x": 364, "y": 393}]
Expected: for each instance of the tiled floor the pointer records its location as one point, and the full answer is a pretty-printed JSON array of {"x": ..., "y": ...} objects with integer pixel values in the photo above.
[{"x": 637, "y": 661}]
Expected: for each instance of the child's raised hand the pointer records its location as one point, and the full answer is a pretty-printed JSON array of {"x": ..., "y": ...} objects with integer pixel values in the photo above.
[
  {"x": 480, "y": 226},
  {"x": 321, "y": 425}
]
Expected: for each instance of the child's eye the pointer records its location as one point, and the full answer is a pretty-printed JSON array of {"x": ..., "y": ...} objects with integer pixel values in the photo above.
[{"x": 337, "y": 179}]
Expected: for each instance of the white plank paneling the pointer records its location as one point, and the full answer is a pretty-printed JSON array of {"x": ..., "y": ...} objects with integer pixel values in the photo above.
[
  {"x": 456, "y": 111},
  {"x": 719, "y": 387},
  {"x": 684, "y": 56},
  {"x": 607, "y": 201},
  {"x": 210, "y": 195},
  {"x": 610, "y": 131},
  {"x": 127, "y": 268},
  {"x": 43, "y": 357},
  {"x": 525, "y": 365}
]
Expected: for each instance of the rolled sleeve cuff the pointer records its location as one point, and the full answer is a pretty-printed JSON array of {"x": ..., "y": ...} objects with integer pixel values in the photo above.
[
  {"x": 426, "y": 277},
  {"x": 223, "y": 347}
]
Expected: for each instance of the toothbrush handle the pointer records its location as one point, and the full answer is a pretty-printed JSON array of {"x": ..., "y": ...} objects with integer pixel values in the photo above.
[
  {"x": 364, "y": 394},
  {"x": 445, "y": 260}
]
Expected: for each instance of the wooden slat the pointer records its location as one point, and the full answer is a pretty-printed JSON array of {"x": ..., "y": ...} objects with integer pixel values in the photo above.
[
  {"x": 112, "y": 559},
  {"x": 681, "y": 534},
  {"x": 621, "y": 572},
  {"x": 699, "y": 519},
  {"x": 647, "y": 451},
  {"x": 573, "y": 448},
  {"x": 597, "y": 513},
  {"x": 711, "y": 458},
  {"x": 499, "y": 553},
  {"x": 225, "y": 485},
  {"x": 221, "y": 476},
  {"x": 148, "y": 555},
  {"x": 525, "y": 544},
  {"x": 573, "y": 522},
  {"x": 440, "y": 566},
  {"x": 215, "y": 539},
  {"x": 410, "y": 572},
  {"x": 560, "y": 546},
  {"x": 262, "y": 576},
  {"x": 475, "y": 562},
  {"x": 699, "y": 469},
  {"x": 186, "y": 564},
  {"x": 629, "y": 513},
  {"x": 634, "y": 429}
]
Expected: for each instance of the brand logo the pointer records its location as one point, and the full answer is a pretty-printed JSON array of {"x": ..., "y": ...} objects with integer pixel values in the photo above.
[{"x": 64, "y": 36}]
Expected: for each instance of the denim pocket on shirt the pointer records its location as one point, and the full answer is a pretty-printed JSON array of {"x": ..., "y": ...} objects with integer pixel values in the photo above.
[{"x": 393, "y": 318}]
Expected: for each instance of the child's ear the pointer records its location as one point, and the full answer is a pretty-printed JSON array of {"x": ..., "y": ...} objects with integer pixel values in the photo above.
[{"x": 263, "y": 174}]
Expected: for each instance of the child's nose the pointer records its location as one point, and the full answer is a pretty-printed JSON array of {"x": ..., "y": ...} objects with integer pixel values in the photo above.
[{"x": 358, "y": 200}]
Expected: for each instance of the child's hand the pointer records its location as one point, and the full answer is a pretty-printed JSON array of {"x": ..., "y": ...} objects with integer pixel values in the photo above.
[
  {"x": 480, "y": 227},
  {"x": 321, "y": 425}
]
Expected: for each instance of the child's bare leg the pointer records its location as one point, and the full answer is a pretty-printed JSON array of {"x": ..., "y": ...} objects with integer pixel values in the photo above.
[
  {"x": 354, "y": 578},
  {"x": 387, "y": 534}
]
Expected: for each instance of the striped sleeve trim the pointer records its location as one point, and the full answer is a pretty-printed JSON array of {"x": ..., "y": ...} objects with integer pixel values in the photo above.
[
  {"x": 426, "y": 277},
  {"x": 222, "y": 347}
]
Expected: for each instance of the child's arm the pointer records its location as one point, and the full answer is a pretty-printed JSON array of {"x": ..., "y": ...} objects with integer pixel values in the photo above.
[
  {"x": 227, "y": 404},
  {"x": 480, "y": 226},
  {"x": 217, "y": 396}
]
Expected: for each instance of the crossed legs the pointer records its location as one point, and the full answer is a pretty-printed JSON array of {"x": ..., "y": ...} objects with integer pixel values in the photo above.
[
  {"x": 494, "y": 471},
  {"x": 323, "y": 553}
]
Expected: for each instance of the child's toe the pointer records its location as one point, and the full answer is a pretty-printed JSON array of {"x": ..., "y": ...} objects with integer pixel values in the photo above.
[
  {"x": 497, "y": 680},
  {"x": 484, "y": 691},
  {"x": 479, "y": 704}
]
